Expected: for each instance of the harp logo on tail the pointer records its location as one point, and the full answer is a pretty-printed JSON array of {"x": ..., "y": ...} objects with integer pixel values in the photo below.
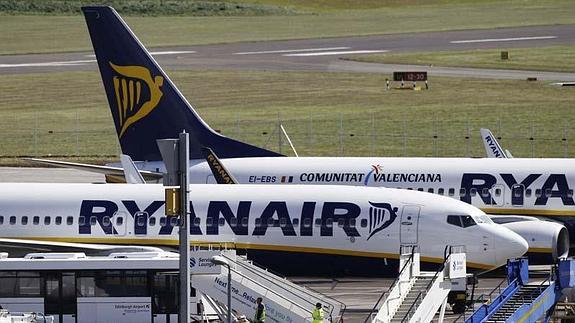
[
  {"x": 137, "y": 93},
  {"x": 381, "y": 216}
]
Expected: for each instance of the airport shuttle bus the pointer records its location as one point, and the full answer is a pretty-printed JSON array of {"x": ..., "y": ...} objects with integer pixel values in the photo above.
[{"x": 74, "y": 288}]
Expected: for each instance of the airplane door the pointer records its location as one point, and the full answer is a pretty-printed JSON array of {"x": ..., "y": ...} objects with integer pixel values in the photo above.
[
  {"x": 141, "y": 223},
  {"x": 497, "y": 193},
  {"x": 119, "y": 222},
  {"x": 517, "y": 194},
  {"x": 409, "y": 224}
]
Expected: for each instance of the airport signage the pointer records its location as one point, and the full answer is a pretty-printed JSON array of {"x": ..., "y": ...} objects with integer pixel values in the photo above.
[
  {"x": 457, "y": 265},
  {"x": 201, "y": 264},
  {"x": 409, "y": 76}
]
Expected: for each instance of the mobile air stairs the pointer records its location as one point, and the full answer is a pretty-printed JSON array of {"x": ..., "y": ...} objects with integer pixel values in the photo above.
[
  {"x": 284, "y": 300},
  {"x": 415, "y": 296},
  {"x": 523, "y": 301}
]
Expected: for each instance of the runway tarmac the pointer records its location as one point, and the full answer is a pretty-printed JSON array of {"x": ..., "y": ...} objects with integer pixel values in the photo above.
[{"x": 325, "y": 54}]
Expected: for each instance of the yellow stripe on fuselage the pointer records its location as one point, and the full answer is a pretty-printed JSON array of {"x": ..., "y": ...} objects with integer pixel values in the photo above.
[
  {"x": 532, "y": 212},
  {"x": 253, "y": 246}
]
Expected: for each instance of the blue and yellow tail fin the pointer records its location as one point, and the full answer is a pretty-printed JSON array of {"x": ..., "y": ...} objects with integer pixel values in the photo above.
[{"x": 145, "y": 104}]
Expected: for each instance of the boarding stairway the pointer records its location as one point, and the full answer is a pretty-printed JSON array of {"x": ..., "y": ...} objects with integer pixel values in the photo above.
[
  {"x": 284, "y": 300},
  {"x": 522, "y": 300},
  {"x": 415, "y": 296}
]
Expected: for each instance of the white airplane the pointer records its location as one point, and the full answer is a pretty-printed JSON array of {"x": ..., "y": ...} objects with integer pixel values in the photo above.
[
  {"x": 291, "y": 228},
  {"x": 147, "y": 106},
  {"x": 492, "y": 146}
]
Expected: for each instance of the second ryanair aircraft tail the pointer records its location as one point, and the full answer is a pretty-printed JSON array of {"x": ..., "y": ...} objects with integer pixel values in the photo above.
[{"x": 145, "y": 104}]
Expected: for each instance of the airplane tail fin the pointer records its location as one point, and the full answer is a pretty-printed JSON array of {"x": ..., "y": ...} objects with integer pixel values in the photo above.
[
  {"x": 492, "y": 147},
  {"x": 144, "y": 102}
]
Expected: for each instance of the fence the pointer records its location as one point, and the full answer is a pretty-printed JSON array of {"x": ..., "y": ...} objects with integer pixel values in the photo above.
[{"x": 84, "y": 137}]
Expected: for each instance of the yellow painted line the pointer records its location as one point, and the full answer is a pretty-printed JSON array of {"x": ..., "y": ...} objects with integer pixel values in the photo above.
[
  {"x": 529, "y": 212},
  {"x": 533, "y": 309},
  {"x": 234, "y": 245}
]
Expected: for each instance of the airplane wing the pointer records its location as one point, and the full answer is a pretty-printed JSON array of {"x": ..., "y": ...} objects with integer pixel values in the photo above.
[
  {"x": 492, "y": 147},
  {"x": 116, "y": 174},
  {"x": 21, "y": 247}
]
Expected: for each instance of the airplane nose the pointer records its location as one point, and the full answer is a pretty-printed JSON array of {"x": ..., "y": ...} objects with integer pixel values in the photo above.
[{"x": 509, "y": 245}]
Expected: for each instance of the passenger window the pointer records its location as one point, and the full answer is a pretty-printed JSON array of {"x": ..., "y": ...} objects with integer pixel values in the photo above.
[
  {"x": 233, "y": 222},
  {"x": 174, "y": 221},
  {"x": 548, "y": 192},
  {"x": 295, "y": 222},
  {"x": 461, "y": 192},
  {"x": 106, "y": 221},
  {"x": 258, "y": 222},
  {"x": 1, "y": 219},
  {"x": 244, "y": 222},
  {"x": 430, "y": 190},
  {"x": 420, "y": 189},
  {"x": 12, "y": 220},
  {"x": 467, "y": 221},
  {"x": 451, "y": 192},
  {"x": 570, "y": 193},
  {"x": 69, "y": 220},
  {"x": 81, "y": 221},
  {"x": 307, "y": 222},
  {"x": 352, "y": 223},
  {"x": 120, "y": 220},
  {"x": 528, "y": 192},
  {"x": 317, "y": 222},
  {"x": 163, "y": 221},
  {"x": 141, "y": 221},
  {"x": 364, "y": 223},
  {"x": 497, "y": 192},
  {"x": 93, "y": 220},
  {"x": 454, "y": 220},
  {"x": 152, "y": 221},
  {"x": 485, "y": 192},
  {"x": 47, "y": 220},
  {"x": 24, "y": 220},
  {"x": 58, "y": 220},
  {"x": 283, "y": 222},
  {"x": 340, "y": 223},
  {"x": 440, "y": 191},
  {"x": 36, "y": 220},
  {"x": 538, "y": 193}
]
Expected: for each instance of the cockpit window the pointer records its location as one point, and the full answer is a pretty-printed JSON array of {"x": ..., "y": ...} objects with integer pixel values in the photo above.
[{"x": 463, "y": 221}]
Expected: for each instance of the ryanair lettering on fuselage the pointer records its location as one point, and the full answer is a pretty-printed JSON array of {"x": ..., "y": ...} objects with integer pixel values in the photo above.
[
  {"x": 542, "y": 187},
  {"x": 334, "y": 215}
]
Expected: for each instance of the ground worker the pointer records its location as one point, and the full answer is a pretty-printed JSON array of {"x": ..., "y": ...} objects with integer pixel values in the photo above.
[
  {"x": 260, "y": 316},
  {"x": 317, "y": 314}
]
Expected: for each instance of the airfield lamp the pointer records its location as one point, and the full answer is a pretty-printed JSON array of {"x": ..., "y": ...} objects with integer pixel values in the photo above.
[{"x": 219, "y": 260}]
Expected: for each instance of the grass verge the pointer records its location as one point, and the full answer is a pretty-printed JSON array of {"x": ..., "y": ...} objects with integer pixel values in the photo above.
[
  {"x": 326, "y": 114},
  {"x": 34, "y": 34},
  {"x": 554, "y": 58}
]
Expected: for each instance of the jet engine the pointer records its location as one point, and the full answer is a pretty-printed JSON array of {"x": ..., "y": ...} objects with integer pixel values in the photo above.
[{"x": 547, "y": 240}]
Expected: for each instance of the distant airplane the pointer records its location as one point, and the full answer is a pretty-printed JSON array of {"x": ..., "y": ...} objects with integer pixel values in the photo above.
[
  {"x": 348, "y": 230},
  {"x": 147, "y": 106}
]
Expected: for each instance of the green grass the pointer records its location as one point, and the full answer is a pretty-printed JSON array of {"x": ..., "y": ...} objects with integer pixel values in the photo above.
[
  {"x": 326, "y": 114},
  {"x": 27, "y": 34},
  {"x": 555, "y": 58}
]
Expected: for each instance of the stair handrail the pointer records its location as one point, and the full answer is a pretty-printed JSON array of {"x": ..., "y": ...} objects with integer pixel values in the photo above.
[
  {"x": 395, "y": 282},
  {"x": 423, "y": 293},
  {"x": 539, "y": 288},
  {"x": 307, "y": 291}
]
